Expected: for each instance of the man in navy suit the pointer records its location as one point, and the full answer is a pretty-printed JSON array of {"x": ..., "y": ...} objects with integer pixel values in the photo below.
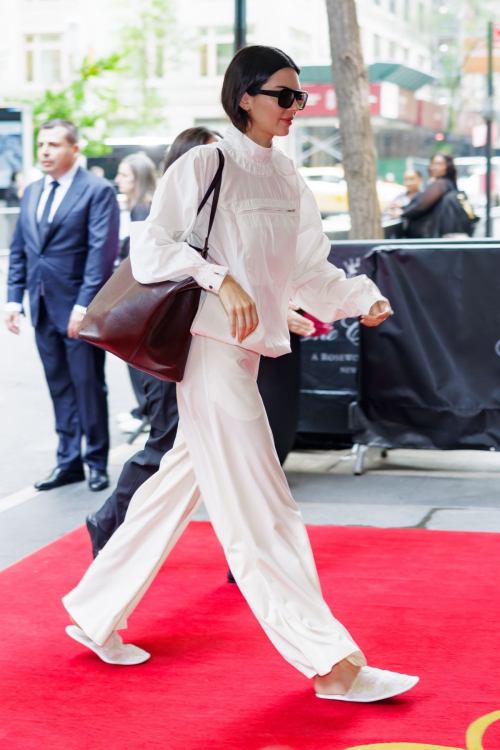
[{"x": 62, "y": 252}]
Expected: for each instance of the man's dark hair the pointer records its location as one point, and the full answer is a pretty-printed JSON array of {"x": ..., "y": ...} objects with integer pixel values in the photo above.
[
  {"x": 71, "y": 131},
  {"x": 248, "y": 71},
  {"x": 186, "y": 140}
]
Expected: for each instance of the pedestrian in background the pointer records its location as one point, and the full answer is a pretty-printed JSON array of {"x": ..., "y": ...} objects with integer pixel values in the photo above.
[
  {"x": 136, "y": 179},
  {"x": 440, "y": 210},
  {"x": 412, "y": 180},
  {"x": 62, "y": 252},
  {"x": 15, "y": 191}
]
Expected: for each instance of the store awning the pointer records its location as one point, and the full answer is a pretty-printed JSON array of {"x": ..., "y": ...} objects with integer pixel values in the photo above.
[{"x": 403, "y": 76}]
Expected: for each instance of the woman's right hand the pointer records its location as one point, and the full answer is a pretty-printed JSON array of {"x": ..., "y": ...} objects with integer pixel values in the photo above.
[{"x": 240, "y": 308}]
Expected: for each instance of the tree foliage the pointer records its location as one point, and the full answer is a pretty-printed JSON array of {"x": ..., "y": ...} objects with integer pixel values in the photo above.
[
  {"x": 147, "y": 40},
  {"x": 87, "y": 101}
]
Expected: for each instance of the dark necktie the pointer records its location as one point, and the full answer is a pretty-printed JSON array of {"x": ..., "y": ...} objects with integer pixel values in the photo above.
[{"x": 43, "y": 226}]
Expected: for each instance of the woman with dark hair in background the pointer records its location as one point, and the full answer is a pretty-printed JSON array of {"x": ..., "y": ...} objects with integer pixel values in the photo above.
[
  {"x": 267, "y": 247},
  {"x": 423, "y": 215},
  {"x": 136, "y": 179},
  {"x": 160, "y": 398},
  {"x": 199, "y": 136}
]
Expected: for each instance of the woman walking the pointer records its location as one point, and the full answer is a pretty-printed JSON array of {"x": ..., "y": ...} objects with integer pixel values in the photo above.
[{"x": 266, "y": 248}]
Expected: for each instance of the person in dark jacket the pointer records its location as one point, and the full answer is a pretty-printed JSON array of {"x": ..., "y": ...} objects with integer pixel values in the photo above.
[
  {"x": 63, "y": 250},
  {"x": 422, "y": 214},
  {"x": 137, "y": 178}
]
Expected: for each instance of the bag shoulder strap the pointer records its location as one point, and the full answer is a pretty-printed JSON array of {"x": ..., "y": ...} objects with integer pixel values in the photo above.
[{"x": 214, "y": 188}]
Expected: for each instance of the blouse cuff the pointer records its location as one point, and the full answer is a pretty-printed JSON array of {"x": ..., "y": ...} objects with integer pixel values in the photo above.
[
  {"x": 212, "y": 277},
  {"x": 371, "y": 295},
  {"x": 13, "y": 307}
]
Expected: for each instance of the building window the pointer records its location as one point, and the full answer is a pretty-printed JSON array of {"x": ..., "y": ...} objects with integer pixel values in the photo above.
[
  {"x": 407, "y": 10},
  {"x": 392, "y": 7},
  {"x": 376, "y": 46},
  {"x": 300, "y": 45},
  {"x": 392, "y": 50},
  {"x": 43, "y": 58},
  {"x": 421, "y": 17},
  {"x": 224, "y": 57},
  {"x": 159, "y": 59},
  {"x": 216, "y": 49},
  {"x": 203, "y": 60}
]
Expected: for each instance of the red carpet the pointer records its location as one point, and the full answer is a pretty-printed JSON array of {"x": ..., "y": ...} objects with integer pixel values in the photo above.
[{"x": 422, "y": 601}]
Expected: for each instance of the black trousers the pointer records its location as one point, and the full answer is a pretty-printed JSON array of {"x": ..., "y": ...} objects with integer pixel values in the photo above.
[
  {"x": 279, "y": 385},
  {"x": 142, "y": 409},
  {"x": 75, "y": 375},
  {"x": 162, "y": 408}
]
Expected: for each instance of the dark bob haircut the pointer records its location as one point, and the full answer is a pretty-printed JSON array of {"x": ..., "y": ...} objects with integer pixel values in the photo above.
[
  {"x": 248, "y": 71},
  {"x": 451, "y": 170},
  {"x": 186, "y": 140},
  {"x": 71, "y": 131}
]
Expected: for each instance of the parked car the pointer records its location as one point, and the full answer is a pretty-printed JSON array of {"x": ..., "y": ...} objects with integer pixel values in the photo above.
[{"x": 330, "y": 189}]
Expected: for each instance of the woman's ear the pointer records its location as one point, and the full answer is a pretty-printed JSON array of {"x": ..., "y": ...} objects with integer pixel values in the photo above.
[{"x": 245, "y": 102}]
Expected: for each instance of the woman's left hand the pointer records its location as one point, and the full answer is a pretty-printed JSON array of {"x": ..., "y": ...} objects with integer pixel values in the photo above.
[
  {"x": 298, "y": 324},
  {"x": 379, "y": 312}
]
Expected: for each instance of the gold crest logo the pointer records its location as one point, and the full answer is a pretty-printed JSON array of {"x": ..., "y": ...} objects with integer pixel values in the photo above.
[{"x": 473, "y": 738}]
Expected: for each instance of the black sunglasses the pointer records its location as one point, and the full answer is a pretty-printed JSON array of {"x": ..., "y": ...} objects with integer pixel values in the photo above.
[{"x": 286, "y": 97}]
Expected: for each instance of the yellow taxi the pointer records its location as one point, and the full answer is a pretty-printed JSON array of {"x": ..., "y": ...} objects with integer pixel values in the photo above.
[{"x": 330, "y": 189}]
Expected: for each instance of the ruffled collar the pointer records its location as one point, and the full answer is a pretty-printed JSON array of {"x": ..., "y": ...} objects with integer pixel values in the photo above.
[{"x": 249, "y": 155}]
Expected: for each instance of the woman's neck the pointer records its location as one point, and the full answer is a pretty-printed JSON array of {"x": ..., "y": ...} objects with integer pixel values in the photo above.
[{"x": 260, "y": 137}]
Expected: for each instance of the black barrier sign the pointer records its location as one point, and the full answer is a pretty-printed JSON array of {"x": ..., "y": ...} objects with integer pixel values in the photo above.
[
  {"x": 330, "y": 364},
  {"x": 430, "y": 375}
]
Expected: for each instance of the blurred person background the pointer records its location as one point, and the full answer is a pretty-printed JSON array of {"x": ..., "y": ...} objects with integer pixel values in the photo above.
[
  {"x": 136, "y": 180},
  {"x": 441, "y": 210},
  {"x": 62, "y": 252},
  {"x": 413, "y": 181}
]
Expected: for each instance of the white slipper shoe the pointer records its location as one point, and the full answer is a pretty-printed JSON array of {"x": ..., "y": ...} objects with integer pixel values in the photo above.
[
  {"x": 114, "y": 650},
  {"x": 375, "y": 685}
]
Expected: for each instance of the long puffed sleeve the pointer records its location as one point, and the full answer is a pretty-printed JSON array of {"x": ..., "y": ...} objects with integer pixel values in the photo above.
[
  {"x": 320, "y": 287},
  {"x": 158, "y": 246}
]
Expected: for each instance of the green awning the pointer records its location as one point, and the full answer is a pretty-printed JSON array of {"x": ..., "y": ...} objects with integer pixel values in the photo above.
[{"x": 403, "y": 76}]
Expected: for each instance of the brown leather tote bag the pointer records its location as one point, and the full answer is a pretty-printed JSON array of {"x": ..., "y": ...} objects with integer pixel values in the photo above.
[{"x": 149, "y": 325}]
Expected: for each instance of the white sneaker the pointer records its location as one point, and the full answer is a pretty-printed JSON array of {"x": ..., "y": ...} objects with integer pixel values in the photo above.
[
  {"x": 114, "y": 650},
  {"x": 131, "y": 425},
  {"x": 124, "y": 416},
  {"x": 375, "y": 685}
]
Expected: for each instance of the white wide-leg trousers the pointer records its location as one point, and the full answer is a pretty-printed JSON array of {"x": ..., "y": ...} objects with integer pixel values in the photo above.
[{"x": 225, "y": 451}]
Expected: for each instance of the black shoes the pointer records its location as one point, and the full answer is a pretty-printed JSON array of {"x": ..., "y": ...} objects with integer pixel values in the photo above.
[
  {"x": 97, "y": 536},
  {"x": 59, "y": 478},
  {"x": 98, "y": 480}
]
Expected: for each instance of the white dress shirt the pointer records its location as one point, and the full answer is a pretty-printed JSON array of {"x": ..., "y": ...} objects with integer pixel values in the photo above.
[
  {"x": 64, "y": 185},
  {"x": 267, "y": 233}
]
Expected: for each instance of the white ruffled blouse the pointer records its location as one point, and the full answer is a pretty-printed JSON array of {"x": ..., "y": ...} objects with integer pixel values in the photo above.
[{"x": 267, "y": 234}]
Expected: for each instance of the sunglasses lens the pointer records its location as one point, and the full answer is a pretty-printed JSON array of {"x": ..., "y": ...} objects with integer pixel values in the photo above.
[
  {"x": 301, "y": 99},
  {"x": 286, "y": 97}
]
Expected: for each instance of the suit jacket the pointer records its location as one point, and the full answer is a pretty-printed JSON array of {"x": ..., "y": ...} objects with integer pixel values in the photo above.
[{"x": 77, "y": 256}]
